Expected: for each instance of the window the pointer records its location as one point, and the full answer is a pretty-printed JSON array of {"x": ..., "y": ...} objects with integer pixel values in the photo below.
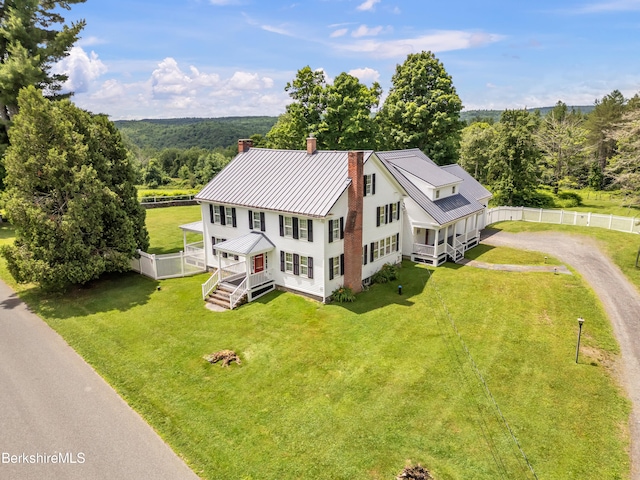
[
  {"x": 381, "y": 216},
  {"x": 303, "y": 231},
  {"x": 387, "y": 245},
  {"x": 437, "y": 194},
  {"x": 257, "y": 223},
  {"x": 228, "y": 216},
  {"x": 288, "y": 227},
  {"x": 304, "y": 266},
  {"x": 453, "y": 190},
  {"x": 288, "y": 262},
  {"x": 335, "y": 267},
  {"x": 370, "y": 184},
  {"x": 384, "y": 247},
  {"x": 394, "y": 244},
  {"x": 374, "y": 251},
  {"x": 394, "y": 211},
  {"x": 335, "y": 229},
  {"x": 216, "y": 214}
]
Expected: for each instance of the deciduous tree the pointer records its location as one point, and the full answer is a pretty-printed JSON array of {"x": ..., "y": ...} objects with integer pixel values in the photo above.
[
  {"x": 71, "y": 195},
  {"x": 422, "y": 109},
  {"x": 513, "y": 167},
  {"x": 478, "y": 140}
]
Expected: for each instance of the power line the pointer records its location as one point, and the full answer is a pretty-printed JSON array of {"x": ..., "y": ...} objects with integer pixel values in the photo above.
[{"x": 483, "y": 383}]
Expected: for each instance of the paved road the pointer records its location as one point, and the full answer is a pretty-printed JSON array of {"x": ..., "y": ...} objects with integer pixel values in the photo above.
[
  {"x": 621, "y": 302},
  {"x": 54, "y": 406}
]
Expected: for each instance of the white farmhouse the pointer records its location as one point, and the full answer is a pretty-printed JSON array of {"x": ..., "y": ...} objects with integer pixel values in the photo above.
[{"x": 313, "y": 221}]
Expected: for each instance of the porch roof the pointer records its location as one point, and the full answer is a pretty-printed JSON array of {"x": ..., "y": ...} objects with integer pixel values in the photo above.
[
  {"x": 195, "y": 227},
  {"x": 251, "y": 243}
]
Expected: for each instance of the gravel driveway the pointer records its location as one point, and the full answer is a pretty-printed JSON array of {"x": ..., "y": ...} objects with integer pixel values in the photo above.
[{"x": 620, "y": 298}]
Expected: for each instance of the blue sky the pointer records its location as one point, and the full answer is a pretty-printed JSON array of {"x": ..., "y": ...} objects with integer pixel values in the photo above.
[{"x": 213, "y": 58}]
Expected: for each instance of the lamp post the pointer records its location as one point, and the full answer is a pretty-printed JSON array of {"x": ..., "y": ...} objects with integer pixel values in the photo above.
[{"x": 580, "y": 322}]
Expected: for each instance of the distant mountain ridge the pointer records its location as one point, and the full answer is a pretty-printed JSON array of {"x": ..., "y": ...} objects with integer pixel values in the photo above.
[{"x": 223, "y": 132}]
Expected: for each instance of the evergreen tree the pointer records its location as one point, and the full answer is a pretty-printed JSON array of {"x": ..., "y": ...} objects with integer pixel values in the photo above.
[
  {"x": 478, "y": 139},
  {"x": 422, "y": 110},
  {"x": 30, "y": 45},
  {"x": 70, "y": 195}
]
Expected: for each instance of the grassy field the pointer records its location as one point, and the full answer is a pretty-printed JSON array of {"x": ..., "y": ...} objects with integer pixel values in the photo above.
[{"x": 357, "y": 391}]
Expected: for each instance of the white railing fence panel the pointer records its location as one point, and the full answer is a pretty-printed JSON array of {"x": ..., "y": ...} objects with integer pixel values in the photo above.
[{"x": 564, "y": 217}]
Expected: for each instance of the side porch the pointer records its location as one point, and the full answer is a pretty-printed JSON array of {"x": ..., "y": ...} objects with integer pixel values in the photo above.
[{"x": 434, "y": 245}]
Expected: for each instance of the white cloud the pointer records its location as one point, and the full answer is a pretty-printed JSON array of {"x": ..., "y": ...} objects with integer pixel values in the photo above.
[
  {"x": 341, "y": 32},
  {"x": 248, "y": 81},
  {"x": 278, "y": 30},
  {"x": 364, "y": 31},
  {"x": 611, "y": 6},
  {"x": 110, "y": 90},
  {"x": 365, "y": 75},
  {"x": 439, "y": 41},
  {"x": 367, "y": 5},
  {"x": 222, "y": 3},
  {"x": 82, "y": 69}
]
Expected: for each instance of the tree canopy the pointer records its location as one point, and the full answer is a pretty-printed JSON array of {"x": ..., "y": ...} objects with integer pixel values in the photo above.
[
  {"x": 339, "y": 115},
  {"x": 70, "y": 195},
  {"x": 30, "y": 44},
  {"x": 422, "y": 109}
]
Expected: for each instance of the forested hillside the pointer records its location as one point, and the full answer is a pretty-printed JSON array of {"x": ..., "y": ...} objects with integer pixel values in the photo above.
[
  {"x": 469, "y": 116},
  {"x": 186, "y": 133}
]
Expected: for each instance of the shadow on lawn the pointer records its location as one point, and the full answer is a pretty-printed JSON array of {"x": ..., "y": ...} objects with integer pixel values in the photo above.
[
  {"x": 114, "y": 291},
  {"x": 412, "y": 277}
]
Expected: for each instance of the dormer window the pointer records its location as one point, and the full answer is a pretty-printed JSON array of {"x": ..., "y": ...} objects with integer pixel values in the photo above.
[
  {"x": 453, "y": 190},
  {"x": 437, "y": 194}
]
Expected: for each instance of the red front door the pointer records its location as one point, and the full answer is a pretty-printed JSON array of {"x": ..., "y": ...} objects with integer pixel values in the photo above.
[{"x": 258, "y": 263}]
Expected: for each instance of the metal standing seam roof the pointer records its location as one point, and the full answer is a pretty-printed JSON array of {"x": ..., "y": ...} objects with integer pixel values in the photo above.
[
  {"x": 443, "y": 211},
  {"x": 415, "y": 162},
  {"x": 282, "y": 180},
  {"x": 470, "y": 186},
  {"x": 195, "y": 227},
  {"x": 252, "y": 242}
]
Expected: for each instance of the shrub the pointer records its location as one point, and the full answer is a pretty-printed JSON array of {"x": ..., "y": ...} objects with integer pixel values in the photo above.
[
  {"x": 568, "y": 200},
  {"x": 343, "y": 294},
  {"x": 387, "y": 273}
]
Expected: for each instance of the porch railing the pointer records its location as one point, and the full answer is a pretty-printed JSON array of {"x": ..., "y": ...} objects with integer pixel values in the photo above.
[
  {"x": 211, "y": 284},
  {"x": 259, "y": 278},
  {"x": 237, "y": 294},
  {"x": 233, "y": 269},
  {"x": 427, "y": 250},
  {"x": 197, "y": 247}
]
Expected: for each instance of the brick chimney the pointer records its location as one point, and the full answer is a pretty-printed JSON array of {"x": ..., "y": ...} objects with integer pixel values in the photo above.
[
  {"x": 353, "y": 224},
  {"x": 311, "y": 145},
  {"x": 244, "y": 145}
]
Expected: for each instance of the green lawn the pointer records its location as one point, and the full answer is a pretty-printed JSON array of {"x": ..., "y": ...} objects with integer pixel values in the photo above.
[
  {"x": 356, "y": 391},
  {"x": 606, "y": 203}
]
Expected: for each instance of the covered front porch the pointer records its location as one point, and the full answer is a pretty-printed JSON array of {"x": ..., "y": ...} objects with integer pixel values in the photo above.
[
  {"x": 435, "y": 244},
  {"x": 244, "y": 279}
]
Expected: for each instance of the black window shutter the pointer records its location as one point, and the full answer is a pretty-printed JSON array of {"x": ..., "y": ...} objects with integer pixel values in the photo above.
[
  {"x": 331, "y": 268},
  {"x": 310, "y": 267},
  {"x": 386, "y": 214},
  {"x": 342, "y": 264},
  {"x": 223, "y": 218},
  {"x": 365, "y": 257},
  {"x": 233, "y": 217},
  {"x": 281, "y": 226},
  {"x": 213, "y": 245},
  {"x": 371, "y": 252},
  {"x": 398, "y": 210},
  {"x": 296, "y": 264},
  {"x": 364, "y": 185},
  {"x": 282, "y": 261},
  {"x": 211, "y": 213},
  {"x": 330, "y": 231},
  {"x": 250, "y": 220},
  {"x": 341, "y": 227},
  {"x": 310, "y": 230},
  {"x": 373, "y": 184},
  {"x": 377, "y": 216},
  {"x": 397, "y": 241},
  {"x": 296, "y": 230},
  {"x": 263, "y": 227}
]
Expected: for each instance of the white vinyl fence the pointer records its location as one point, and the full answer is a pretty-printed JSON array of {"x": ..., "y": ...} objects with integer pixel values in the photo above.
[
  {"x": 170, "y": 265},
  {"x": 563, "y": 217}
]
